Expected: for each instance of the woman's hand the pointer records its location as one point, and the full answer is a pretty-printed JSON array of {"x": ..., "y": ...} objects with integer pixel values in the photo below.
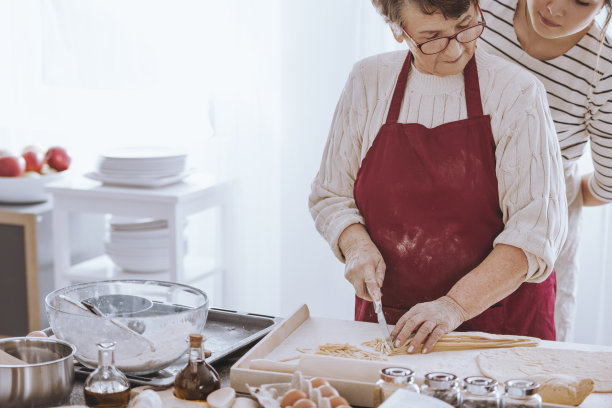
[
  {"x": 430, "y": 320},
  {"x": 365, "y": 267}
]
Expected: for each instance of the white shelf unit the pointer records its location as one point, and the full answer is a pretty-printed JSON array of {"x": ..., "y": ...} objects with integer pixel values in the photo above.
[{"x": 173, "y": 203}]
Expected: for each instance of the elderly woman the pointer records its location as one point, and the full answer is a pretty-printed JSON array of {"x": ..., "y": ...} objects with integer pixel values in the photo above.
[{"x": 441, "y": 185}]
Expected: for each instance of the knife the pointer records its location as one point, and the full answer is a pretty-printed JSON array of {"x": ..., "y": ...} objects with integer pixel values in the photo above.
[{"x": 382, "y": 322}]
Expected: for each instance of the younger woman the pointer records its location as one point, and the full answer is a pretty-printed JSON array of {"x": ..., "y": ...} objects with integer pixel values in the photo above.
[{"x": 560, "y": 42}]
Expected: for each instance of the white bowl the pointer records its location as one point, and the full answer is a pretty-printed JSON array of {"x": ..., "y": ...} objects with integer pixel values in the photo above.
[
  {"x": 26, "y": 190},
  {"x": 137, "y": 263}
]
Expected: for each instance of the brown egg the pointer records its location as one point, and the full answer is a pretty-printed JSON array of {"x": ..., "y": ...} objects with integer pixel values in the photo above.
[
  {"x": 304, "y": 403},
  {"x": 327, "y": 391},
  {"x": 338, "y": 401},
  {"x": 291, "y": 396},
  {"x": 316, "y": 382}
]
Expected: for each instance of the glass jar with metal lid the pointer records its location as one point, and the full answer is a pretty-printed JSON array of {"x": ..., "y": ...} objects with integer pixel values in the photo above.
[
  {"x": 443, "y": 386},
  {"x": 479, "y": 392},
  {"x": 392, "y": 379},
  {"x": 521, "y": 394}
]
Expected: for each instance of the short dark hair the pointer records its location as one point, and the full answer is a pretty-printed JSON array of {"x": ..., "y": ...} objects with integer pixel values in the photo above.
[{"x": 391, "y": 10}]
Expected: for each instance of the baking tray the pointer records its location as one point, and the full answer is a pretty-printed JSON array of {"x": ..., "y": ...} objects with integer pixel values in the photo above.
[{"x": 225, "y": 332}]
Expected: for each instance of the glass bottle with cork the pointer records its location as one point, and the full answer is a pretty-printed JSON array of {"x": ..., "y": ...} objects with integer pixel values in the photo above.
[
  {"x": 106, "y": 386},
  {"x": 392, "y": 379},
  {"x": 198, "y": 378}
]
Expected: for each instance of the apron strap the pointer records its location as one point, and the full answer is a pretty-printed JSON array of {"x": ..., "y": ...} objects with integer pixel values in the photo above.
[
  {"x": 472, "y": 89},
  {"x": 400, "y": 90}
]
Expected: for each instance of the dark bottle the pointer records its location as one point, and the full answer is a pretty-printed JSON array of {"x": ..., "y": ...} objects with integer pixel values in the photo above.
[
  {"x": 198, "y": 378},
  {"x": 106, "y": 387}
]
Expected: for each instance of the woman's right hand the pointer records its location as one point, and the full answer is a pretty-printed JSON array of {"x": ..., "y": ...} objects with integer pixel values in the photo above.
[{"x": 365, "y": 267}]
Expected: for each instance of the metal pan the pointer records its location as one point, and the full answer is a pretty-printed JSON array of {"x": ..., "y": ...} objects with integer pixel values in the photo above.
[{"x": 45, "y": 380}]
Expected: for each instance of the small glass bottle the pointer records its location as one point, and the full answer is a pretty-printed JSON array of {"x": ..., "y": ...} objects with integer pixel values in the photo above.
[
  {"x": 479, "y": 392},
  {"x": 392, "y": 379},
  {"x": 198, "y": 378},
  {"x": 443, "y": 386},
  {"x": 106, "y": 386},
  {"x": 521, "y": 394}
]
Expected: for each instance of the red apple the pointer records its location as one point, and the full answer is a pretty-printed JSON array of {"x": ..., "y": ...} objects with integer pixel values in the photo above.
[
  {"x": 57, "y": 158},
  {"x": 12, "y": 166},
  {"x": 34, "y": 160}
]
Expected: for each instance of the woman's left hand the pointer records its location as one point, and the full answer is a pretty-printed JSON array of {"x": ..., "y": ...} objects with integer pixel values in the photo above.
[{"x": 430, "y": 320}]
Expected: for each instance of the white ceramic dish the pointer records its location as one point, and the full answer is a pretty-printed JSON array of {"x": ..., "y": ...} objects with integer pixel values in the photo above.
[
  {"x": 143, "y": 152},
  {"x": 134, "y": 235},
  {"x": 404, "y": 398},
  {"x": 26, "y": 190},
  {"x": 137, "y": 182},
  {"x": 142, "y": 264},
  {"x": 136, "y": 224}
]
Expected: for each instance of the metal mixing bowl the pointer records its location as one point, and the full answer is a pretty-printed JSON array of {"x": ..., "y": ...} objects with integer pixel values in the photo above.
[
  {"x": 46, "y": 380},
  {"x": 148, "y": 338}
]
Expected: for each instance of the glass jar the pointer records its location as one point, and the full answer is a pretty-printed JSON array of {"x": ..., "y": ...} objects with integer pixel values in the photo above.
[
  {"x": 443, "y": 386},
  {"x": 392, "y": 379},
  {"x": 106, "y": 386},
  {"x": 521, "y": 394},
  {"x": 479, "y": 392}
]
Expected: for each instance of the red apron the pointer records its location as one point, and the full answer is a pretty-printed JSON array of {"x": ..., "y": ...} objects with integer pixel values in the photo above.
[{"x": 430, "y": 202}]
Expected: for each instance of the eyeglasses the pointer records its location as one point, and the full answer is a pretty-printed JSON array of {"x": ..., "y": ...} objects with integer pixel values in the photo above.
[{"x": 439, "y": 44}]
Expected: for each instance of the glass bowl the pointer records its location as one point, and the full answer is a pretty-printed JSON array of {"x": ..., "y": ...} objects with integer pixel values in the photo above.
[{"x": 149, "y": 320}]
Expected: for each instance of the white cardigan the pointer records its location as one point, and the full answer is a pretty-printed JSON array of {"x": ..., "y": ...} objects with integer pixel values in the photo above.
[{"x": 528, "y": 162}]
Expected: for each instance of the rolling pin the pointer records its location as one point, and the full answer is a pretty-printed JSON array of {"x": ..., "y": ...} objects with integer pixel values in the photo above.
[{"x": 326, "y": 366}]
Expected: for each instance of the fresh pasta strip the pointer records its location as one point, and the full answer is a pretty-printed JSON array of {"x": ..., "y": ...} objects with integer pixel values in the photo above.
[
  {"x": 379, "y": 345},
  {"x": 345, "y": 350},
  {"x": 455, "y": 341}
]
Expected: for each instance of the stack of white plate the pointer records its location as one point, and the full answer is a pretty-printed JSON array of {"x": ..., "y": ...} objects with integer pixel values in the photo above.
[
  {"x": 141, "y": 166},
  {"x": 138, "y": 244}
]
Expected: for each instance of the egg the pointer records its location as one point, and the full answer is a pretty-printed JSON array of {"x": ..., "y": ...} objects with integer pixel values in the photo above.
[
  {"x": 243, "y": 402},
  {"x": 343, "y": 406},
  {"x": 327, "y": 391},
  {"x": 318, "y": 382},
  {"x": 304, "y": 403},
  {"x": 221, "y": 398},
  {"x": 292, "y": 396},
  {"x": 146, "y": 399},
  {"x": 337, "y": 401}
]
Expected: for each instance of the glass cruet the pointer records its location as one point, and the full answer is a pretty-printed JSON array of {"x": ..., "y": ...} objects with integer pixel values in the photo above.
[
  {"x": 106, "y": 386},
  {"x": 198, "y": 378}
]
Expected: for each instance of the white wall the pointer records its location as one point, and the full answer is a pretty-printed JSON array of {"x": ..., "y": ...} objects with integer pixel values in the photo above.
[{"x": 321, "y": 41}]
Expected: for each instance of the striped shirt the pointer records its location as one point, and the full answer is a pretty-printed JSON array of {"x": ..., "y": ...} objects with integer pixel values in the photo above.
[{"x": 567, "y": 79}]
